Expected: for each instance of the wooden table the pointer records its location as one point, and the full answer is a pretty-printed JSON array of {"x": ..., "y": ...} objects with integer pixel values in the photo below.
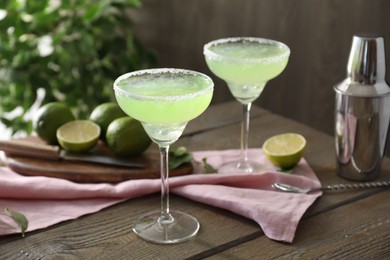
[{"x": 351, "y": 225}]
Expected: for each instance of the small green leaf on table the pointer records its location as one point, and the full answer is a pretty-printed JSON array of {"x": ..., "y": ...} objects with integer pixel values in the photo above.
[
  {"x": 19, "y": 218},
  {"x": 207, "y": 167}
]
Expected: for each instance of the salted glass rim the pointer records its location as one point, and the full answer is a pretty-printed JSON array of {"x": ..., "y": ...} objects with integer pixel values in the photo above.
[
  {"x": 123, "y": 92},
  {"x": 215, "y": 56}
]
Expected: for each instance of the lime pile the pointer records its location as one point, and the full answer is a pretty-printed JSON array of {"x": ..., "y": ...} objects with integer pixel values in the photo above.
[
  {"x": 285, "y": 150},
  {"x": 125, "y": 136},
  {"x": 104, "y": 114}
]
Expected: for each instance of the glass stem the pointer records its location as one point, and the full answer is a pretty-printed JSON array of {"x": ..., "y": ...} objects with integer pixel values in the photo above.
[
  {"x": 245, "y": 135},
  {"x": 166, "y": 217}
]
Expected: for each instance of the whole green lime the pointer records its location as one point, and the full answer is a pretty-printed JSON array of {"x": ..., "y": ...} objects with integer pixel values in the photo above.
[
  {"x": 126, "y": 137},
  {"x": 104, "y": 114},
  {"x": 49, "y": 118}
]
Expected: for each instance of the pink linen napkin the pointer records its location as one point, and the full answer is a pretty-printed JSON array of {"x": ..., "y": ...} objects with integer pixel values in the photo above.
[{"x": 46, "y": 201}]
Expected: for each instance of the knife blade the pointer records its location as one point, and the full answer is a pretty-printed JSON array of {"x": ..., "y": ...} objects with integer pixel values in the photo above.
[
  {"x": 100, "y": 159},
  {"x": 52, "y": 152}
]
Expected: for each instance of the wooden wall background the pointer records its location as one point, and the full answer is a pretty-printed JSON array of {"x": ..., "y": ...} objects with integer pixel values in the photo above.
[{"x": 319, "y": 33}]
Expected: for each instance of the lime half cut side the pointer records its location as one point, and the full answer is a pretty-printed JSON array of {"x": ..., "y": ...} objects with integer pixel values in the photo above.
[
  {"x": 285, "y": 150},
  {"x": 78, "y": 135}
]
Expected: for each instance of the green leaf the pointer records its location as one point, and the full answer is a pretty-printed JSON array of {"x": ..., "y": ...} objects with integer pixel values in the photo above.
[
  {"x": 93, "y": 12},
  {"x": 178, "y": 156},
  {"x": 19, "y": 218},
  {"x": 207, "y": 167}
]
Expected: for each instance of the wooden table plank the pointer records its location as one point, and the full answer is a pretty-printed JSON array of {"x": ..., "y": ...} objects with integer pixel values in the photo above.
[
  {"x": 332, "y": 235},
  {"x": 107, "y": 234}
]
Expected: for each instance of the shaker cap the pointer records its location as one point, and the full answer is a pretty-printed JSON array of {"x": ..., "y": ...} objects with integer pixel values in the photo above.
[{"x": 366, "y": 69}]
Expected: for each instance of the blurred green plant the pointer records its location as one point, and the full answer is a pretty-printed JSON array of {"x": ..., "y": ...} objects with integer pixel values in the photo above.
[{"x": 72, "y": 49}]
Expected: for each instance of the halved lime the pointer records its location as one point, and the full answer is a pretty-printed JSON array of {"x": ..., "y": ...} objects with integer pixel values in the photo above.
[
  {"x": 78, "y": 135},
  {"x": 285, "y": 150}
]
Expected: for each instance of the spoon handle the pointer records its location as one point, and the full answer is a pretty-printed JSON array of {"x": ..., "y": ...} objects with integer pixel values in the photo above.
[{"x": 362, "y": 185}]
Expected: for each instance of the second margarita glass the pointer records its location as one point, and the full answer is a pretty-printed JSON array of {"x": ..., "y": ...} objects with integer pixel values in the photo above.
[{"x": 246, "y": 64}]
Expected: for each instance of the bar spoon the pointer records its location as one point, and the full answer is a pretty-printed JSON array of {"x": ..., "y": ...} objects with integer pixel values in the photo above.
[{"x": 364, "y": 185}]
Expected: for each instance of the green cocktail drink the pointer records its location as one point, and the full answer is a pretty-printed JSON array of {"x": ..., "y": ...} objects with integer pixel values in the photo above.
[
  {"x": 164, "y": 100},
  {"x": 246, "y": 64}
]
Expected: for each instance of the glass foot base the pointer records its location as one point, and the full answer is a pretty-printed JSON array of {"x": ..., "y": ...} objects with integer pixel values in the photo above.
[
  {"x": 179, "y": 228},
  {"x": 244, "y": 167}
]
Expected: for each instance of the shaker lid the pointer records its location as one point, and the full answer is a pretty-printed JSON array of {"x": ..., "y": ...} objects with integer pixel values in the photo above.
[{"x": 366, "y": 69}]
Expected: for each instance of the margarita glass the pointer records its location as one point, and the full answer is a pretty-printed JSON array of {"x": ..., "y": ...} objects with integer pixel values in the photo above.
[
  {"x": 246, "y": 64},
  {"x": 164, "y": 100}
]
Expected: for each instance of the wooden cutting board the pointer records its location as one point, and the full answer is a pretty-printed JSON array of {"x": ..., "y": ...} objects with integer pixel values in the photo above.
[{"x": 92, "y": 173}]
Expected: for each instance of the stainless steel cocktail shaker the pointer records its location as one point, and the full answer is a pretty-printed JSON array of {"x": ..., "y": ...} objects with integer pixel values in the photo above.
[{"x": 362, "y": 111}]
